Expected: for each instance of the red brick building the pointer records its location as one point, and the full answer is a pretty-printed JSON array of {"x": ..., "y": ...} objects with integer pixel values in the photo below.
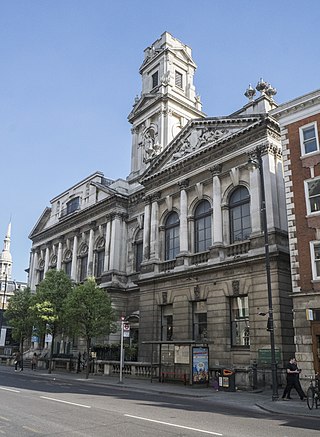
[{"x": 300, "y": 132}]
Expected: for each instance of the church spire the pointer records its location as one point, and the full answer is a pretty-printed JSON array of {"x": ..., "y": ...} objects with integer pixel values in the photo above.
[{"x": 5, "y": 257}]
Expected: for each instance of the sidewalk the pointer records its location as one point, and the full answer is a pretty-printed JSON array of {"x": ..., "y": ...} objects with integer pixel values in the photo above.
[{"x": 261, "y": 399}]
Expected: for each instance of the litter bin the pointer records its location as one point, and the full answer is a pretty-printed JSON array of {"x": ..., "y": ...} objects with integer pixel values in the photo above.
[{"x": 227, "y": 380}]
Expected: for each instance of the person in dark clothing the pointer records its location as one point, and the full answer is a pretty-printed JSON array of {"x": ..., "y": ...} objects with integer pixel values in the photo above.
[
  {"x": 17, "y": 361},
  {"x": 293, "y": 380}
]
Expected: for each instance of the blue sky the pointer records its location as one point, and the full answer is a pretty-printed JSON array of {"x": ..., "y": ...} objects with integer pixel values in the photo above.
[{"x": 69, "y": 75}]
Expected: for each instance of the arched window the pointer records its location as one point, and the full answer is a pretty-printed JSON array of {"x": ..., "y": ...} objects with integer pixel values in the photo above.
[
  {"x": 202, "y": 226},
  {"x": 239, "y": 208},
  {"x": 172, "y": 230}
]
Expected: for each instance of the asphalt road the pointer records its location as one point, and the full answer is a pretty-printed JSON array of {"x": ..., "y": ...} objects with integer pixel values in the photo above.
[{"x": 35, "y": 406}]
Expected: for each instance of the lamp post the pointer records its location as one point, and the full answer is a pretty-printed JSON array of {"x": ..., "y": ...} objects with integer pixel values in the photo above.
[{"x": 256, "y": 162}]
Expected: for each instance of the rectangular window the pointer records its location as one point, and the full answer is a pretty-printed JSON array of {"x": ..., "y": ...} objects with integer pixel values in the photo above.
[
  {"x": 67, "y": 268},
  {"x": 178, "y": 79},
  {"x": 166, "y": 323},
  {"x": 315, "y": 259},
  {"x": 40, "y": 276},
  {"x": 312, "y": 193},
  {"x": 240, "y": 334},
  {"x": 155, "y": 79},
  {"x": 199, "y": 316},
  {"x": 72, "y": 206},
  {"x": 309, "y": 139},
  {"x": 99, "y": 263},
  {"x": 83, "y": 268},
  {"x": 139, "y": 255}
]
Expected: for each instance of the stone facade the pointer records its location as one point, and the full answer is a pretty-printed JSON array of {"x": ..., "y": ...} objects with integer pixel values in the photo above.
[
  {"x": 179, "y": 244},
  {"x": 299, "y": 120}
]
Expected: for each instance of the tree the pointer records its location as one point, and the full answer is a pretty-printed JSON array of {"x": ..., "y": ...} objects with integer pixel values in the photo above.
[
  {"x": 19, "y": 315},
  {"x": 89, "y": 312},
  {"x": 49, "y": 306}
]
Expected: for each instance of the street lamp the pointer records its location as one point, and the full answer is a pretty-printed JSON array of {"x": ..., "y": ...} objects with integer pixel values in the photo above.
[{"x": 255, "y": 161}]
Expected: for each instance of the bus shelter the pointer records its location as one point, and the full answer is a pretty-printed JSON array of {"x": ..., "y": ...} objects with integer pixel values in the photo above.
[{"x": 186, "y": 361}]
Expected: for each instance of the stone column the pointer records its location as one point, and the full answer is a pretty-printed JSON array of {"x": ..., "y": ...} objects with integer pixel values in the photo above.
[
  {"x": 34, "y": 266},
  {"x": 154, "y": 231},
  {"x": 115, "y": 246},
  {"x": 74, "y": 258},
  {"x": 216, "y": 205},
  {"x": 107, "y": 247},
  {"x": 90, "y": 253},
  {"x": 59, "y": 256},
  {"x": 271, "y": 191},
  {"x": 255, "y": 201},
  {"x": 46, "y": 259},
  {"x": 146, "y": 231},
  {"x": 183, "y": 216}
]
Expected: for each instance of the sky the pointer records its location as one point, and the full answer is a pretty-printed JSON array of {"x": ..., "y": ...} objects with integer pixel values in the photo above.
[{"x": 70, "y": 72}]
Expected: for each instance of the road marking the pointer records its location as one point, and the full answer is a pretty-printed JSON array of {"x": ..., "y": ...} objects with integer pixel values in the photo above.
[
  {"x": 31, "y": 429},
  {"x": 5, "y": 419},
  {"x": 9, "y": 389},
  {"x": 65, "y": 402},
  {"x": 172, "y": 424}
]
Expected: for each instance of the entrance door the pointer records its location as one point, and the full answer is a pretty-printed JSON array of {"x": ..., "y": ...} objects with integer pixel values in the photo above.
[{"x": 315, "y": 329}]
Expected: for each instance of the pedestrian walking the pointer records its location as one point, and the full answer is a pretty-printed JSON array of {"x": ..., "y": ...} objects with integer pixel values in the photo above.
[
  {"x": 34, "y": 362},
  {"x": 17, "y": 361},
  {"x": 293, "y": 381}
]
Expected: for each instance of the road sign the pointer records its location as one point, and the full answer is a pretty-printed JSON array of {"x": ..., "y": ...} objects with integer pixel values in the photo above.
[{"x": 126, "y": 330}]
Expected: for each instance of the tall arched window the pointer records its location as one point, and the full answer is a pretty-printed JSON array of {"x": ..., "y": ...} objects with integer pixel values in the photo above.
[
  {"x": 239, "y": 208},
  {"x": 172, "y": 230},
  {"x": 202, "y": 226}
]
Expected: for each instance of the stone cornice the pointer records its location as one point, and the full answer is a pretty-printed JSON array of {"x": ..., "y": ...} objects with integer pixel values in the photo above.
[{"x": 80, "y": 219}]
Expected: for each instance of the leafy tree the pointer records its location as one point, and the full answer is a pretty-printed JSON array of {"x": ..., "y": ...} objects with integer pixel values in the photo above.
[
  {"x": 49, "y": 306},
  {"x": 90, "y": 313},
  {"x": 19, "y": 315}
]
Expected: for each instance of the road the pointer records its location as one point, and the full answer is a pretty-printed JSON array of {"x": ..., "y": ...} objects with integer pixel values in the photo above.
[{"x": 37, "y": 406}]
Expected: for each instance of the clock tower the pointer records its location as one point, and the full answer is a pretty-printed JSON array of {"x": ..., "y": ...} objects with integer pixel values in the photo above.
[{"x": 167, "y": 102}]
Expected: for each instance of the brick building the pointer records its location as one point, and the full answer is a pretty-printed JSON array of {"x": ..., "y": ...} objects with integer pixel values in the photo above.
[{"x": 300, "y": 123}]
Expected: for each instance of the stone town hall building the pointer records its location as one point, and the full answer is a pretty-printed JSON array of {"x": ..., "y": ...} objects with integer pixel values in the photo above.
[{"x": 179, "y": 244}]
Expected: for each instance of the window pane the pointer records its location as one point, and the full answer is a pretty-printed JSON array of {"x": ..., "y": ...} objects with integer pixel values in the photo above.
[
  {"x": 202, "y": 226},
  {"x": 178, "y": 79},
  {"x": 240, "y": 321},
  {"x": 240, "y": 220},
  {"x": 309, "y": 139},
  {"x": 155, "y": 79},
  {"x": 314, "y": 195},
  {"x": 172, "y": 239},
  {"x": 139, "y": 255}
]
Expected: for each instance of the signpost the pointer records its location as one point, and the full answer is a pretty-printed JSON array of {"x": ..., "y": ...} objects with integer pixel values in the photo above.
[{"x": 125, "y": 332}]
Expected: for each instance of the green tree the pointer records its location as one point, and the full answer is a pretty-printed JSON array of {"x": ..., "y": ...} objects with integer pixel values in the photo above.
[
  {"x": 49, "y": 306},
  {"x": 19, "y": 315},
  {"x": 89, "y": 312}
]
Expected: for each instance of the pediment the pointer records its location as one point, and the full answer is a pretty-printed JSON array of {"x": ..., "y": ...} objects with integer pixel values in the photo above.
[
  {"x": 199, "y": 135},
  {"x": 145, "y": 101},
  {"x": 41, "y": 223}
]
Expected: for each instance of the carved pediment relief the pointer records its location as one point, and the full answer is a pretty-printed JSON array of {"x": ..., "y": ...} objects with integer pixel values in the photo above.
[
  {"x": 200, "y": 135},
  {"x": 197, "y": 139}
]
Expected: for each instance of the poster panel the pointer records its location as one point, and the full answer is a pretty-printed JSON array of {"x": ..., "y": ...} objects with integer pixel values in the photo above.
[
  {"x": 181, "y": 354},
  {"x": 200, "y": 365}
]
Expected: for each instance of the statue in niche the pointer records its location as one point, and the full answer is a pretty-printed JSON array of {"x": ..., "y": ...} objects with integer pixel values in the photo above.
[{"x": 151, "y": 146}]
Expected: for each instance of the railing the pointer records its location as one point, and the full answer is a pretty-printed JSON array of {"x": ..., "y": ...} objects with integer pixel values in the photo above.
[
  {"x": 199, "y": 258},
  {"x": 167, "y": 265},
  {"x": 238, "y": 248}
]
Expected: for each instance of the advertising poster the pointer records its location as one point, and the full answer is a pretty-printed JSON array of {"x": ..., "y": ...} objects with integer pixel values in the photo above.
[{"x": 200, "y": 365}]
